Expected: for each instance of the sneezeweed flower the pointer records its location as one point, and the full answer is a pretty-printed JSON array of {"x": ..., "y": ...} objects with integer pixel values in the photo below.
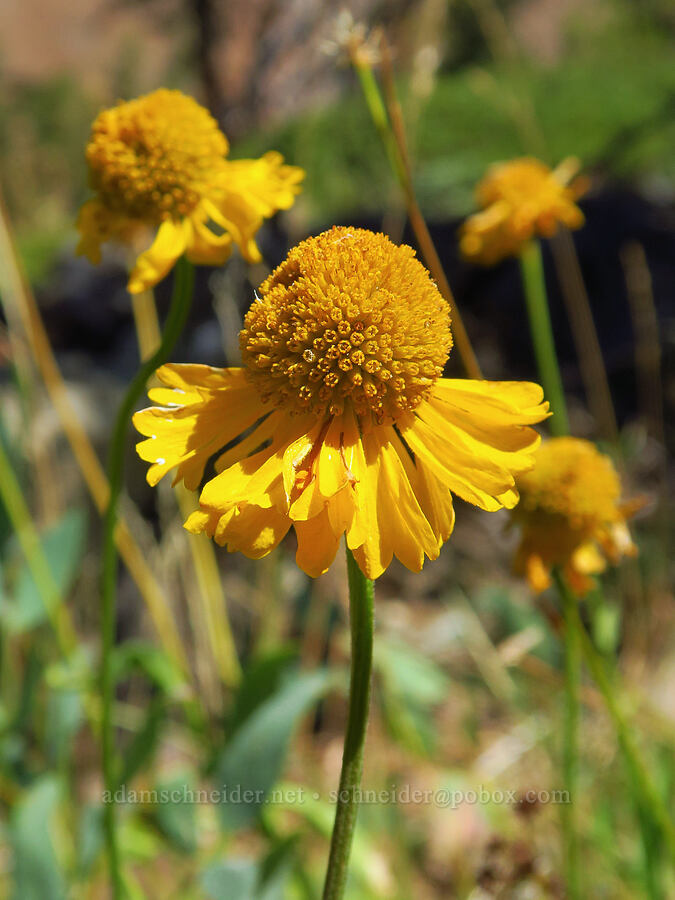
[
  {"x": 159, "y": 171},
  {"x": 339, "y": 421},
  {"x": 570, "y": 515},
  {"x": 521, "y": 200}
]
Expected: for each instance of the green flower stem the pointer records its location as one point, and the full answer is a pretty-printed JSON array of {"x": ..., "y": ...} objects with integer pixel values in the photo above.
[
  {"x": 570, "y": 745},
  {"x": 650, "y": 799},
  {"x": 361, "y": 595},
  {"x": 378, "y": 113},
  {"x": 178, "y": 312},
  {"x": 534, "y": 284}
]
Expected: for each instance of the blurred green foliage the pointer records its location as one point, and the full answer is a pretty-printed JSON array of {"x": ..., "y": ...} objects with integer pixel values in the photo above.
[{"x": 609, "y": 100}]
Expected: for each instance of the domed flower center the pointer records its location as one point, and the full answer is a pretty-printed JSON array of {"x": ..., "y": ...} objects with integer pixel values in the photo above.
[
  {"x": 573, "y": 480},
  {"x": 349, "y": 317},
  {"x": 153, "y": 158}
]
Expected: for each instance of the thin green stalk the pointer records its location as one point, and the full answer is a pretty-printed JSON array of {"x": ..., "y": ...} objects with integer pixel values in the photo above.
[
  {"x": 180, "y": 305},
  {"x": 534, "y": 284},
  {"x": 649, "y": 797},
  {"x": 378, "y": 113},
  {"x": 570, "y": 747},
  {"x": 29, "y": 540},
  {"x": 361, "y": 596},
  {"x": 390, "y": 129}
]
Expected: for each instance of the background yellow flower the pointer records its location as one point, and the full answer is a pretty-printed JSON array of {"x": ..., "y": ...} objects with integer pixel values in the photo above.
[
  {"x": 520, "y": 200},
  {"x": 570, "y": 514},
  {"x": 159, "y": 171}
]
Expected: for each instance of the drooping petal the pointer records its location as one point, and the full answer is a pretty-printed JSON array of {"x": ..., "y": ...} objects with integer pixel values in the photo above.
[
  {"x": 332, "y": 470},
  {"x": 317, "y": 544},
  {"x": 203, "y": 410},
  {"x": 203, "y": 246},
  {"x": 473, "y": 437},
  {"x": 363, "y": 536},
  {"x": 254, "y": 531},
  {"x": 410, "y": 533},
  {"x": 253, "y": 190},
  {"x": 299, "y": 477},
  {"x": 494, "y": 402},
  {"x": 315, "y": 468},
  {"x": 152, "y": 265},
  {"x": 250, "y": 529},
  {"x": 452, "y": 467},
  {"x": 97, "y": 224},
  {"x": 253, "y": 441},
  {"x": 267, "y": 183},
  {"x": 256, "y": 479},
  {"x": 240, "y": 221},
  {"x": 388, "y": 499},
  {"x": 434, "y": 498}
]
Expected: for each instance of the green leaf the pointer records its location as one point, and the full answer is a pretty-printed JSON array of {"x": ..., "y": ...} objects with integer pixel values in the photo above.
[
  {"x": 414, "y": 677},
  {"x": 176, "y": 816},
  {"x": 244, "y": 879},
  {"x": 152, "y": 661},
  {"x": 232, "y": 879},
  {"x": 260, "y": 680},
  {"x": 364, "y": 879},
  {"x": 410, "y": 686},
  {"x": 144, "y": 743},
  {"x": 252, "y": 760},
  {"x": 89, "y": 837},
  {"x": 276, "y": 870},
  {"x": 37, "y": 875},
  {"x": 63, "y": 719},
  {"x": 63, "y": 546}
]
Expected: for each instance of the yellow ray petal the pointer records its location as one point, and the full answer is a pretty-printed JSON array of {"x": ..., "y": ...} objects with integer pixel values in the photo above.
[
  {"x": 364, "y": 537},
  {"x": 204, "y": 409},
  {"x": 295, "y": 455},
  {"x": 496, "y": 402},
  {"x": 203, "y": 246},
  {"x": 453, "y": 467},
  {"x": 253, "y": 530},
  {"x": 266, "y": 184},
  {"x": 434, "y": 498},
  {"x": 407, "y": 528},
  {"x": 333, "y": 474},
  {"x": 152, "y": 265},
  {"x": 252, "y": 479},
  {"x": 317, "y": 544},
  {"x": 253, "y": 441}
]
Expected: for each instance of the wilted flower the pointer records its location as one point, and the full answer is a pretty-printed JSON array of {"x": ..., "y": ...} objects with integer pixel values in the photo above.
[
  {"x": 348, "y": 426},
  {"x": 352, "y": 42},
  {"x": 570, "y": 515},
  {"x": 521, "y": 200},
  {"x": 158, "y": 169}
]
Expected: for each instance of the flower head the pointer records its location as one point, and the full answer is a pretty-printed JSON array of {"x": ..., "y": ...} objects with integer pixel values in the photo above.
[
  {"x": 158, "y": 168},
  {"x": 352, "y": 42},
  {"x": 348, "y": 426},
  {"x": 570, "y": 514},
  {"x": 520, "y": 200}
]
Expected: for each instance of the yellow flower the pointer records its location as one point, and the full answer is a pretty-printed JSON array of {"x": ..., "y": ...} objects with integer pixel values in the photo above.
[
  {"x": 520, "y": 200},
  {"x": 158, "y": 169},
  {"x": 570, "y": 515},
  {"x": 348, "y": 426}
]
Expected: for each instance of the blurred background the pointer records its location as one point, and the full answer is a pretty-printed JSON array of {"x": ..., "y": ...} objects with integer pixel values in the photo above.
[{"x": 468, "y": 663}]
